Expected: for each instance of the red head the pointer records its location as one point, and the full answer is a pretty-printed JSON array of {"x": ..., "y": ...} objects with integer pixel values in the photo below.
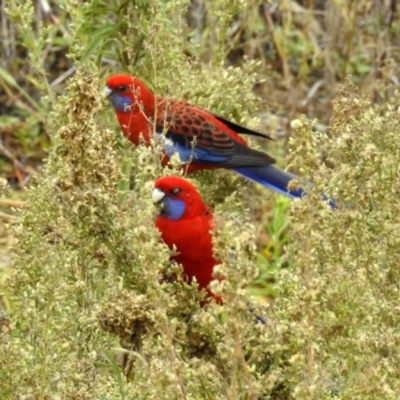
[
  {"x": 125, "y": 92},
  {"x": 179, "y": 199}
]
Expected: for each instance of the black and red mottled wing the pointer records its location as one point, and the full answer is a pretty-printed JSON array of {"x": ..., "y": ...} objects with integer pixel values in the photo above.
[
  {"x": 201, "y": 138},
  {"x": 241, "y": 129}
]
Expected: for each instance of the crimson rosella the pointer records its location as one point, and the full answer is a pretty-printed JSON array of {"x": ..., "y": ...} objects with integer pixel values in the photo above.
[
  {"x": 186, "y": 222},
  {"x": 202, "y": 140}
]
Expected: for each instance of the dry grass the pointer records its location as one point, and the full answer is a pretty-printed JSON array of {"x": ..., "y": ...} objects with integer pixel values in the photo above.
[{"x": 88, "y": 258}]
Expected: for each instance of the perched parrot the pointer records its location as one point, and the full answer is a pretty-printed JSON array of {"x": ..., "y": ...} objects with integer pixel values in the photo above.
[
  {"x": 186, "y": 222},
  {"x": 202, "y": 140}
]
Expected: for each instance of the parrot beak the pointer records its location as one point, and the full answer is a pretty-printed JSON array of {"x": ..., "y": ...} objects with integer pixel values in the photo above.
[
  {"x": 157, "y": 196},
  {"x": 107, "y": 91}
]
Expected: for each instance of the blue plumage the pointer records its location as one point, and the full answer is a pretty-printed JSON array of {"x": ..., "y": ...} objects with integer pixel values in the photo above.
[
  {"x": 272, "y": 177},
  {"x": 173, "y": 208},
  {"x": 121, "y": 103},
  {"x": 277, "y": 180}
]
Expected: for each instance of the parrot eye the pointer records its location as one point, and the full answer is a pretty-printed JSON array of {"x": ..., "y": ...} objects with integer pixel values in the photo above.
[
  {"x": 121, "y": 88},
  {"x": 175, "y": 191}
]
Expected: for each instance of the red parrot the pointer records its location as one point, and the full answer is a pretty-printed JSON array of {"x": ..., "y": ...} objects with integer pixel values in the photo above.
[
  {"x": 186, "y": 222},
  {"x": 203, "y": 140}
]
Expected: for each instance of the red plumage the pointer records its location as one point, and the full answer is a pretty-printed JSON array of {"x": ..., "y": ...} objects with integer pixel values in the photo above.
[
  {"x": 147, "y": 113},
  {"x": 186, "y": 222},
  {"x": 202, "y": 140}
]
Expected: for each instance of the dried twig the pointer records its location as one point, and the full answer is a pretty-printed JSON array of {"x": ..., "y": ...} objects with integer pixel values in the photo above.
[
  {"x": 8, "y": 217},
  {"x": 12, "y": 203}
]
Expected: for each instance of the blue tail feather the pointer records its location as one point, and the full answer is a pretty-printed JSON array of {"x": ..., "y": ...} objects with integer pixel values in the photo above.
[
  {"x": 271, "y": 177},
  {"x": 276, "y": 179}
]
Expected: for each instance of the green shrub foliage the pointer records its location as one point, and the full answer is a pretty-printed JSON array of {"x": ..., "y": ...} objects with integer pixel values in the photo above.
[{"x": 92, "y": 315}]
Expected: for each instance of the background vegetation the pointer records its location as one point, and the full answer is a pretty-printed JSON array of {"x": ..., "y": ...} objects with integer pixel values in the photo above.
[{"x": 83, "y": 312}]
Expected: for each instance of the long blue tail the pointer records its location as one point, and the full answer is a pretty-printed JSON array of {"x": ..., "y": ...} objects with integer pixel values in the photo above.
[
  {"x": 276, "y": 179},
  {"x": 272, "y": 177}
]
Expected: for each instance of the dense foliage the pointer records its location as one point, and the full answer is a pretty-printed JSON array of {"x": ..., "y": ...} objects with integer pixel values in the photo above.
[{"x": 86, "y": 313}]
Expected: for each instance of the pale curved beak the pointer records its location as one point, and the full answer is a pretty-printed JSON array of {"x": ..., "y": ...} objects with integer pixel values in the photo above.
[
  {"x": 107, "y": 91},
  {"x": 157, "y": 196}
]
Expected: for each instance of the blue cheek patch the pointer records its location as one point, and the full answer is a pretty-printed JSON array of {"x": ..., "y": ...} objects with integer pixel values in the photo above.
[
  {"x": 120, "y": 103},
  {"x": 173, "y": 209}
]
